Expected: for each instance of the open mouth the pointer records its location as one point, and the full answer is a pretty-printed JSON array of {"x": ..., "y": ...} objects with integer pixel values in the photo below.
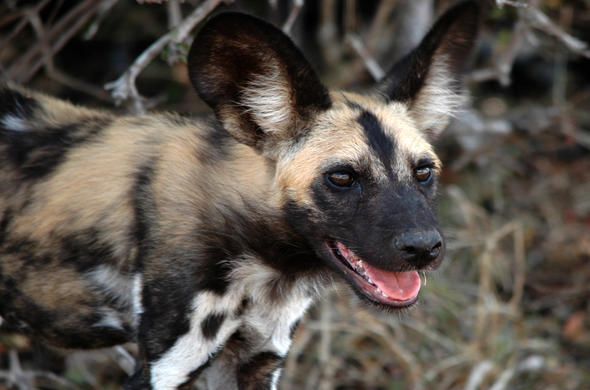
[{"x": 394, "y": 289}]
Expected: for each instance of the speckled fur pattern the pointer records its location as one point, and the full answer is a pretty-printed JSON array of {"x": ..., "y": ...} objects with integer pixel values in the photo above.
[{"x": 205, "y": 240}]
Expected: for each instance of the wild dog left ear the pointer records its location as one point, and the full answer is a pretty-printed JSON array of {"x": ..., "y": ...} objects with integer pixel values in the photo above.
[
  {"x": 428, "y": 78},
  {"x": 256, "y": 80}
]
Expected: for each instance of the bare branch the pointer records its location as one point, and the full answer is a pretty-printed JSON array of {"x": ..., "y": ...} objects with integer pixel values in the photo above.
[
  {"x": 61, "y": 42},
  {"x": 124, "y": 87},
  {"x": 102, "y": 12},
  {"x": 377, "y": 25},
  {"x": 72, "y": 21},
  {"x": 297, "y": 4},
  {"x": 537, "y": 19},
  {"x": 516, "y": 4},
  {"x": 370, "y": 63},
  {"x": 502, "y": 66}
]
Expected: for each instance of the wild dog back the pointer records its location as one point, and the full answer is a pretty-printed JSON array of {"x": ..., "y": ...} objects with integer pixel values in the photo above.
[{"x": 205, "y": 240}]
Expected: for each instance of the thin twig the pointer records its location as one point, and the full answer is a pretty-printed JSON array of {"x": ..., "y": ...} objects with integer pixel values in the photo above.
[
  {"x": 371, "y": 64},
  {"x": 100, "y": 15},
  {"x": 516, "y": 4},
  {"x": 537, "y": 19},
  {"x": 532, "y": 363},
  {"x": 22, "y": 24},
  {"x": 60, "y": 43},
  {"x": 297, "y": 4},
  {"x": 377, "y": 26},
  {"x": 502, "y": 67},
  {"x": 124, "y": 87},
  {"x": 74, "y": 16},
  {"x": 519, "y": 268},
  {"x": 123, "y": 358},
  {"x": 478, "y": 374}
]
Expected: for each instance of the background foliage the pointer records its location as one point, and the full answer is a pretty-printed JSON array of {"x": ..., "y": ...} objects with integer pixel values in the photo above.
[{"x": 509, "y": 309}]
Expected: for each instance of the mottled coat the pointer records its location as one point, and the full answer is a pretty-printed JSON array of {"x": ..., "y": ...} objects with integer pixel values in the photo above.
[{"x": 205, "y": 241}]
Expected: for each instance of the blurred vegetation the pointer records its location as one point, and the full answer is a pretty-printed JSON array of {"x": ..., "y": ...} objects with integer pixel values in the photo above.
[{"x": 509, "y": 308}]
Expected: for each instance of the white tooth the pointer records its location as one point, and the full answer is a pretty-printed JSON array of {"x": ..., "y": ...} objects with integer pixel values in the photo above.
[{"x": 378, "y": 290}]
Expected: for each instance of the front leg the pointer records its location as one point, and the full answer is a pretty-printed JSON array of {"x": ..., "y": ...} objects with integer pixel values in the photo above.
[
  {"x": 242, "y": 366},
  {"x": 260, "y": 372},
  {"x": 253, "y": 356},
  {"x": 179, "y": 336}
]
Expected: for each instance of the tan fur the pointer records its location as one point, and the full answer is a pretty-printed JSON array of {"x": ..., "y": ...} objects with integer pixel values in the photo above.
[{"x": 342, "y": 139}]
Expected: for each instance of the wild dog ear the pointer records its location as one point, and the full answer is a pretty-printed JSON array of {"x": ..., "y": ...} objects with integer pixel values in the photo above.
[
  {"x": 428, "y": 79},
  {"x": 255, "y": 79}
]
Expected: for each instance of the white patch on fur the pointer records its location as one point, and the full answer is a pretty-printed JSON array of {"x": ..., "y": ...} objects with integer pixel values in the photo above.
[
  {"x": 15, "y": 123},
  {"x": 1, "y": 320},
  {"x": 111, "y": 282},
  {"x": 136, "y": 302},
  {"x": 275, "y": 379},
  {"x": 192, "y": 350},
  {"x": 110, "y": 319},
  {"x": 272, "y": 312},
  {"x": 268, "y": 98},
  {"x": 274, "y": 322},
  {"x": 437, "y": 101}
]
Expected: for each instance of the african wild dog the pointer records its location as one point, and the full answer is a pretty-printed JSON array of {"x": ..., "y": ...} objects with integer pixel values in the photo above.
[{"x": 205, "y": 240}]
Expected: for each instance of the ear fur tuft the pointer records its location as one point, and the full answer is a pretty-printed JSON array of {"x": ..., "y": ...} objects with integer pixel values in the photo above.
[
  {"x": 428, "y": 78},
  {"x": 255, "y": 79}
]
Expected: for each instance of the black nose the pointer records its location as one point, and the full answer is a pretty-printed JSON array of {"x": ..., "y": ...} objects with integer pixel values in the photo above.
[{"x": 419, "y": 247}]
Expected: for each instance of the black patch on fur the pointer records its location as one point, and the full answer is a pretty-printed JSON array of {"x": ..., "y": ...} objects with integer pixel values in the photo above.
[
  {"x": 140, "y": 379},
  {"x": 4, "y": 222},
  {"x": 84, "y": 250},
  {"x": 354, "y": 106},
  {"x": 237, "y": 343},
  {"x": 212, "y": 272},
  {"x": 257, "y": 372},
  {"x": 211, "y": 324},
  {"x": 17, "y": 309},
  {"x": 194, "y": 375},
  {"x": 142, "y": 204},
  {"x": 380, "y": 143},
  {"x": 16, "y": 104},
  {"x": 215, "y": 145},
  {"x": 249, "y": 231},
  {"x": 37, "y": 152},
  {"x": 243, "y": 307},
  {"x": 166, "y": 317}
]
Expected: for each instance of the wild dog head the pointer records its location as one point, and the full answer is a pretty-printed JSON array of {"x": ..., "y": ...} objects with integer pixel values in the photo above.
[{"x": 356, "y": 174}]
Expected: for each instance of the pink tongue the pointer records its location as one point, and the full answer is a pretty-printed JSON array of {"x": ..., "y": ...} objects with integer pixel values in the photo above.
[{"x": 400, "y": 286}]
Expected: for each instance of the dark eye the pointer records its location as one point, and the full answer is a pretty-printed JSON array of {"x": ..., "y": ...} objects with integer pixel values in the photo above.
[
  {"x": 341, "y": 179},
  {"x": 423, "y": 174}
]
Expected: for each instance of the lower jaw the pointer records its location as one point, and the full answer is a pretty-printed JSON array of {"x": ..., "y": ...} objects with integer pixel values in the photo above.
[{"x": 369, "y": 291}]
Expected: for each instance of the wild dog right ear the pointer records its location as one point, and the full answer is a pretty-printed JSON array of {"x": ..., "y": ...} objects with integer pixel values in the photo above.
[
  {"x": 256, "y": 80},
  {"x": 427, "y": 80}
]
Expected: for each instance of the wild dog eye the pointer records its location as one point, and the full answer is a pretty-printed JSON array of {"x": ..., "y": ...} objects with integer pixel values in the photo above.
[
  {"x": 341, "y": 179},
  {"x": 423, "y": 174}
]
